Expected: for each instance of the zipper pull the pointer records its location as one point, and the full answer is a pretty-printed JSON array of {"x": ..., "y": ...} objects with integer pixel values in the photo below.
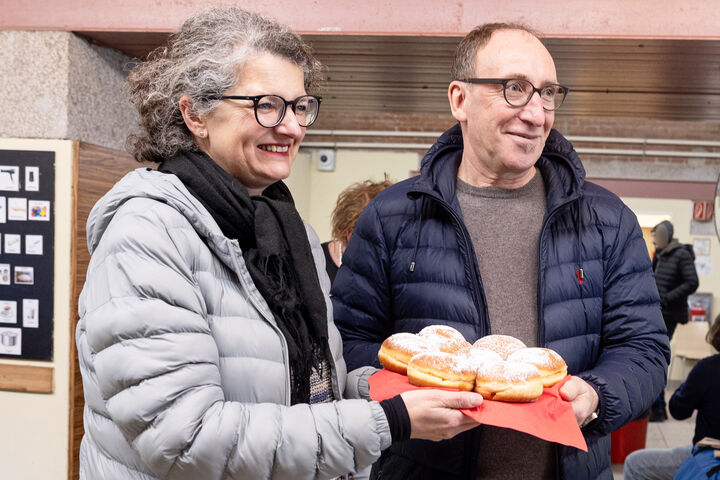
[
  {"x": 580, "y": 274},
  {"x": 412, "y": 267}
]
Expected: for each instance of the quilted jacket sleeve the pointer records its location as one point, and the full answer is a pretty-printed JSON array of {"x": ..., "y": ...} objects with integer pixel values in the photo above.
[
  {"x": 690, "y": 395},
  {"x": 631, "y": 369},
  {"x": 156, "y": 369},
  {"x": 360, "y": 293}
]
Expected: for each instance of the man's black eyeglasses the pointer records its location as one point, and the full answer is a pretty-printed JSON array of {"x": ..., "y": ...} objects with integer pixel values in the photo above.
[
  {"x": 518, "y": 91},
  {"x": 270, "y": 109}
]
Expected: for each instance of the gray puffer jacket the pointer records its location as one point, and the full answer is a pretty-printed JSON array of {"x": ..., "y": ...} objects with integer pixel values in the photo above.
[{"x": 184, "y": 369}]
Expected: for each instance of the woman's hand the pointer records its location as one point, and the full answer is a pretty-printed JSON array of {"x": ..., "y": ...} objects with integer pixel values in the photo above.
[{"x": 435, "y": 414}]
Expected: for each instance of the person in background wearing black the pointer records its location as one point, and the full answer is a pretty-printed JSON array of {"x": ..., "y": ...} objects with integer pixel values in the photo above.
[
  {"x": 349, "y": 206},
  {"x": 700, "y": 391},
  {"x": 676, "y": 279}
]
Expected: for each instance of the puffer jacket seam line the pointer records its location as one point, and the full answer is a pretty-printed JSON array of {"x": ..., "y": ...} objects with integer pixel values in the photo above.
[
  {"x": 128, "y": 386},
  {"x": 140, "y": 299}
]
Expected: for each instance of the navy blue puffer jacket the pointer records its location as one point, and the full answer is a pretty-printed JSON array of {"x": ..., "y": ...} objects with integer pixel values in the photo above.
[{"x": 410, "y": 263}]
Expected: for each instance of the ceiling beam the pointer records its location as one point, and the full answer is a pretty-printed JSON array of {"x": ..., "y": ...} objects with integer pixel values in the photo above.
[{"x": 660, "y": 19}]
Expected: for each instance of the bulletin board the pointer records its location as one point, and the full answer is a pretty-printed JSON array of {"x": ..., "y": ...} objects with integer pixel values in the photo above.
[{"x": 27, "y": 194}]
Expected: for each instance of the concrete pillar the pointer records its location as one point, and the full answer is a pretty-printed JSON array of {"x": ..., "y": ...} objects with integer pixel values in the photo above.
[{"x": 58, "y": 86}]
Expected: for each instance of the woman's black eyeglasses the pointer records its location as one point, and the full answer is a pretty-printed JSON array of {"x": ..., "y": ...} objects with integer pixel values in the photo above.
[{"x": 270, "y": 109}]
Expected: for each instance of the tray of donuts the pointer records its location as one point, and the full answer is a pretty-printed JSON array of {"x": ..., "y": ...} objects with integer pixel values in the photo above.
[{"x": 520, "y": 385}]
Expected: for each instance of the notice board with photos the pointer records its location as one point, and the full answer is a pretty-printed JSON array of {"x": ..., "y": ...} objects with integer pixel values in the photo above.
[{"x": 27, "y": 194}]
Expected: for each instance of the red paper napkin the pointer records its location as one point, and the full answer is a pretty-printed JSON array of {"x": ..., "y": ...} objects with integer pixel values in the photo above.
[{"x": 549, "y": 417}]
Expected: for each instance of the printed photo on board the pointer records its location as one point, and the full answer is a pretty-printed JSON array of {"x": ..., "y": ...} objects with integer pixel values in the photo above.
[
  {"x": 9, "y": 178},
  {"x": 24, "y": 275}
]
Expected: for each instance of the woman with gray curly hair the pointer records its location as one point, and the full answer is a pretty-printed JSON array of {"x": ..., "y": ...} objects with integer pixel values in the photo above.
[{"x": 206, "y": 342}]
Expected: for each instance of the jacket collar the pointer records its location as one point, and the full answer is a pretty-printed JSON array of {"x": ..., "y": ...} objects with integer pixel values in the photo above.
[
  {"x": 559, "y": 164},
  {"x": 672, "y": 246}
]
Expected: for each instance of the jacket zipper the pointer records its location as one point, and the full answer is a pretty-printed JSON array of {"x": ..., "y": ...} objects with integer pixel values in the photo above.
[
  {"x": 473, "y": 437},
  {"x": 477, "y": 289},
  {"x": 540, "y": 296},
  {"x": 267, "y": 315},
  {"x": 541, "y": 316}
]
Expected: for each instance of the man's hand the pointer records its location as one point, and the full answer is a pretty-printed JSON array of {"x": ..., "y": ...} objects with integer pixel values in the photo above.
[
  {"x": 434, "y": 414},
  {"x": 582, "y": 397}
]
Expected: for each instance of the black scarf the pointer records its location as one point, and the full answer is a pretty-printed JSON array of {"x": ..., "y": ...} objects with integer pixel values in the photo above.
[{"x": 277, "y": 253}]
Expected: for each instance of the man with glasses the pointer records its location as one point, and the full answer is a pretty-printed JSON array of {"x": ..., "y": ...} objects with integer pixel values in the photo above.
[{"x": 500, "y": 233}]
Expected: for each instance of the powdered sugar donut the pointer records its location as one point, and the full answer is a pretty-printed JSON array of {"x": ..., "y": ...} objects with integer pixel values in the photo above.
[
  {"x": 477, "y": 356},
  {"x": 445, "y": 338},
  {"x": 397, "y": 350},
  {"x": 503, "y": 345},
  {"x": 440, "y": 369},
  {"x": 509, "y": 382},
  {"x": 551, "y": 365}
]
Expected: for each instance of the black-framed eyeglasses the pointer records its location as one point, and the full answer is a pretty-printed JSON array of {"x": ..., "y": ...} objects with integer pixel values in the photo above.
[
  {"x": 270, "y": 109},
  {"x": 518, "y": 91}
]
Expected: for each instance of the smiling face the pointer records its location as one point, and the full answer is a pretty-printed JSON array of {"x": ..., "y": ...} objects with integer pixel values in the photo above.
[
  {"x": 501, "y": 142},
  {"x": 256, "y": 156}
]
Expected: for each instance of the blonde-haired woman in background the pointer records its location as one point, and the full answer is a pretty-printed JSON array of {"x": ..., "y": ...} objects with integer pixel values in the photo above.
[{"x": 350, "y": 204}]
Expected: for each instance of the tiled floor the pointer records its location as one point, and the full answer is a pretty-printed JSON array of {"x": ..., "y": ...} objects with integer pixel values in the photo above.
[{"x": 669, "y": 434}]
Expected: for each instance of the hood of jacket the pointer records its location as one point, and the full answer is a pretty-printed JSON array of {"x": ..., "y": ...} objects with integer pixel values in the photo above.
[
  {"x": 162, "y": 187},
  {"x": 560, "y": 165}
]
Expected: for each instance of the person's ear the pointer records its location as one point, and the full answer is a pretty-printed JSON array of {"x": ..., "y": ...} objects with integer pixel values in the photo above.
[
  {"x": 195, "y": 123},
  {"x": 457, "y": 95}
]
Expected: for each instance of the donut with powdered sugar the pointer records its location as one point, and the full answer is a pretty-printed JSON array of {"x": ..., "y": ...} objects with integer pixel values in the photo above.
[
  {"x": 397, "y": 350},
  {"x": 477, "y": 356},
  {"x": 551, "y": 365},
  {"x": 440, "y": 369},
  {"x": 503, "y": 345},
  {"x": 445, "y": 338},
  {"x": 509, "y": 382}
]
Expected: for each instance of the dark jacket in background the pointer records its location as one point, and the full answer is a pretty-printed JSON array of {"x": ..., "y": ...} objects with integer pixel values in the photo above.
[
  {"x": 701, "y": 392},
  {"x": 676, "y": 279},
  {"x": 330, "y": 266},
  {"x": 410, "y": 263}
]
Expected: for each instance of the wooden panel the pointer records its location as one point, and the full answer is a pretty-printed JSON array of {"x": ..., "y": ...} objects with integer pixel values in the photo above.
[
  {"x": 26, "y": 378},
  {"x": 96, "y": 170}
]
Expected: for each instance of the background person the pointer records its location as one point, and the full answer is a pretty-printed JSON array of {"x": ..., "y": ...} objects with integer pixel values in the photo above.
[
  {"x": 206, "y": 342},
  {"x": 500, "y": 233},
  {"x": 349, "y": 206},
  {"x": 701, "y": 392},
  {"x": 676, "y": 279}
]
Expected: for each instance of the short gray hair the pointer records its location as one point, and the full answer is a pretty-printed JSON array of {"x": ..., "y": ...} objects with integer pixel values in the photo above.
[
  {"x": 464, "y": 63},
  {"x": 202, "y": 61}
]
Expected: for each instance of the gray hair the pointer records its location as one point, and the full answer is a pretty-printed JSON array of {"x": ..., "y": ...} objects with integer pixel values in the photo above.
[
  {"x": 464, "y": 63},
  {"x": 202, "y": 61}
]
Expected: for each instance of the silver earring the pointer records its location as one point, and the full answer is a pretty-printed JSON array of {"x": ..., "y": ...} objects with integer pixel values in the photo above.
[{"x": 202, "y": 133}]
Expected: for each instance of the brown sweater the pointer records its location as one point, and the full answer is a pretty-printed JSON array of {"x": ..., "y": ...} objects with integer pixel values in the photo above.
[{"x": 504, "y": 226}]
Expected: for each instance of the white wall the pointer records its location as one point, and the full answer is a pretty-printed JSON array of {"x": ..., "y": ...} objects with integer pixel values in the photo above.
[
  {"x": 316, "y": 191},
  {"x": 680, "y": 214},
  {"x": 35, "y": 431}
]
